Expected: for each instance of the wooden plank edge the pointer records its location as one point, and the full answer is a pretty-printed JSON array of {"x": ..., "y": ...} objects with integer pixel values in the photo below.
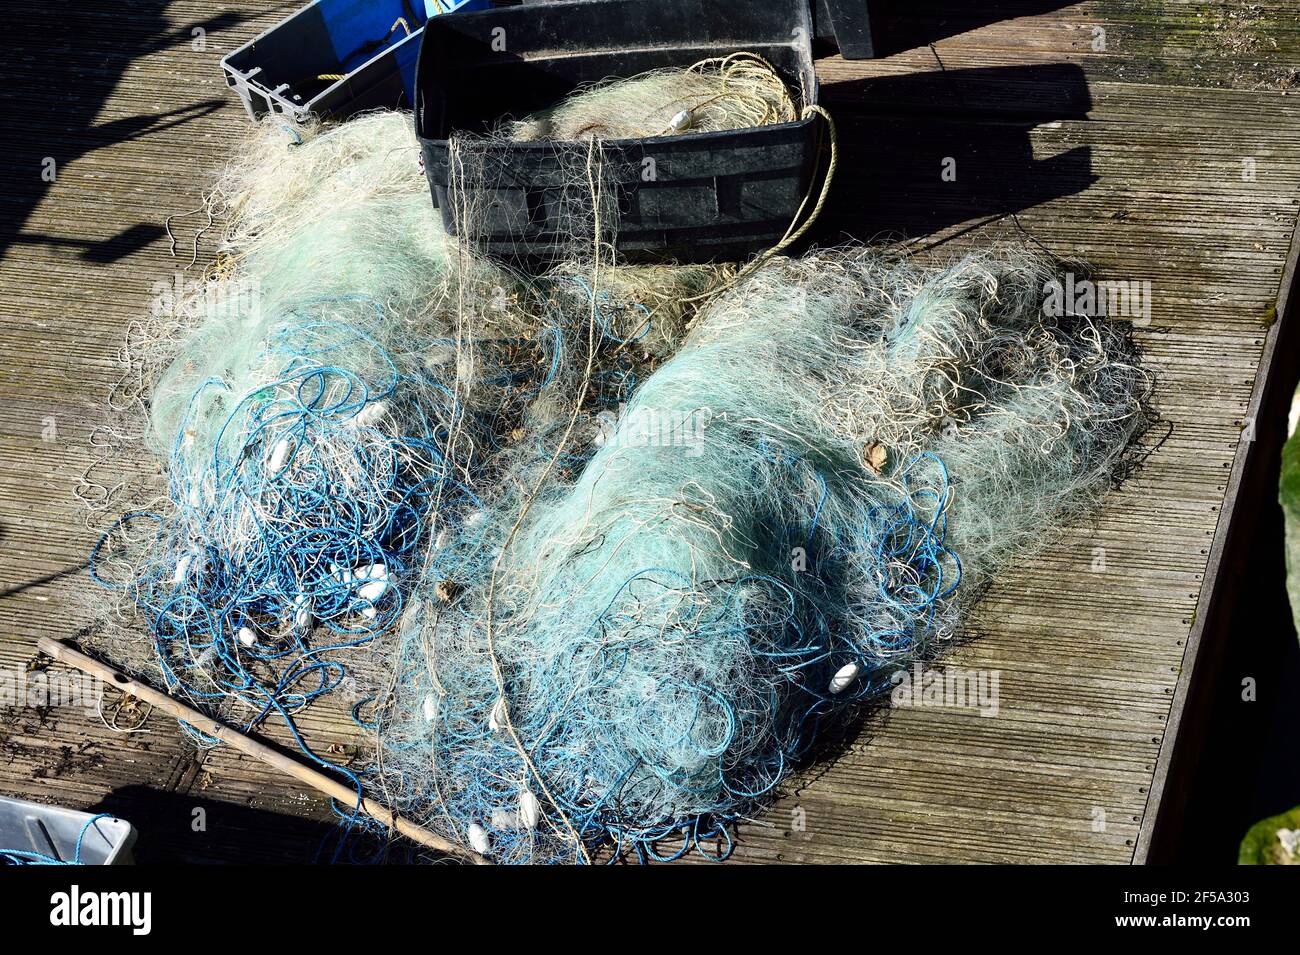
[{"x": 1253, "y": 464}]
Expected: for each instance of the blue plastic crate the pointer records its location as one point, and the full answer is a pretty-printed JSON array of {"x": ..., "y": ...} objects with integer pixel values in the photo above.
[{"x": 336, "y": 57}]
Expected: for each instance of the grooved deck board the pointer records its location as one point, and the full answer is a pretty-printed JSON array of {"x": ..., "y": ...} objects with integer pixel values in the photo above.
[{"x": 1130, "y": 158}]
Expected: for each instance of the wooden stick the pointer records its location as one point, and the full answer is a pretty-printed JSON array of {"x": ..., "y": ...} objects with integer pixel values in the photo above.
[{"x": 246, "y": 744}]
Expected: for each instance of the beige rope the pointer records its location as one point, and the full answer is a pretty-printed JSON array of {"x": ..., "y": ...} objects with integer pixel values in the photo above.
[
  {"x": 593, "y": 182},
  {"x": 792, "y": 234},
  {"x": 796, "y": 231},
  {"x": 399, "y": 22}
]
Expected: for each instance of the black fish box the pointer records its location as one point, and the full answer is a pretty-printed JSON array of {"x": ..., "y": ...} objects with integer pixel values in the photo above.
[{"x": 691, "y": 197}]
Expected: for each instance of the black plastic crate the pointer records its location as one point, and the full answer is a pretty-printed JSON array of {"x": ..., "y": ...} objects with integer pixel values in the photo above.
[
  {"x": 839, "y": 26},
  {"x": 845, "y": 25},
  {"x": 712, "y": 196}
]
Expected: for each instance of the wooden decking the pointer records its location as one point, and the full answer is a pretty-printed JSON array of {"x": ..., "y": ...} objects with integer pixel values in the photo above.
[{"x": 1158, "y": 140}]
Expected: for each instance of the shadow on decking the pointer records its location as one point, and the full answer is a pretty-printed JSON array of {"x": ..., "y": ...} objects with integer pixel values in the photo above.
[
  {"x": 899, "y": 26},
  {"x": 183, "y": 828},
  {"x": 77, "y": 58},
  {"x": 925, "y": 151}
]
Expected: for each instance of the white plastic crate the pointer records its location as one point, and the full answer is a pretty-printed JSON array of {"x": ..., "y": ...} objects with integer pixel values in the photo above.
[{"x": 32, "y": 832}]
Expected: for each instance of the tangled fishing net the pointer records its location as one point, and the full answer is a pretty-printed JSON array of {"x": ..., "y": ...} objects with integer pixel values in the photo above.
[
  {"x": 316, "y": 399},
  {"x": 631, "y": 537},
  {"x": 733, "y": 92},
  {"x": 324, "y": 400},
  {"x": 643, "y": 633}
]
